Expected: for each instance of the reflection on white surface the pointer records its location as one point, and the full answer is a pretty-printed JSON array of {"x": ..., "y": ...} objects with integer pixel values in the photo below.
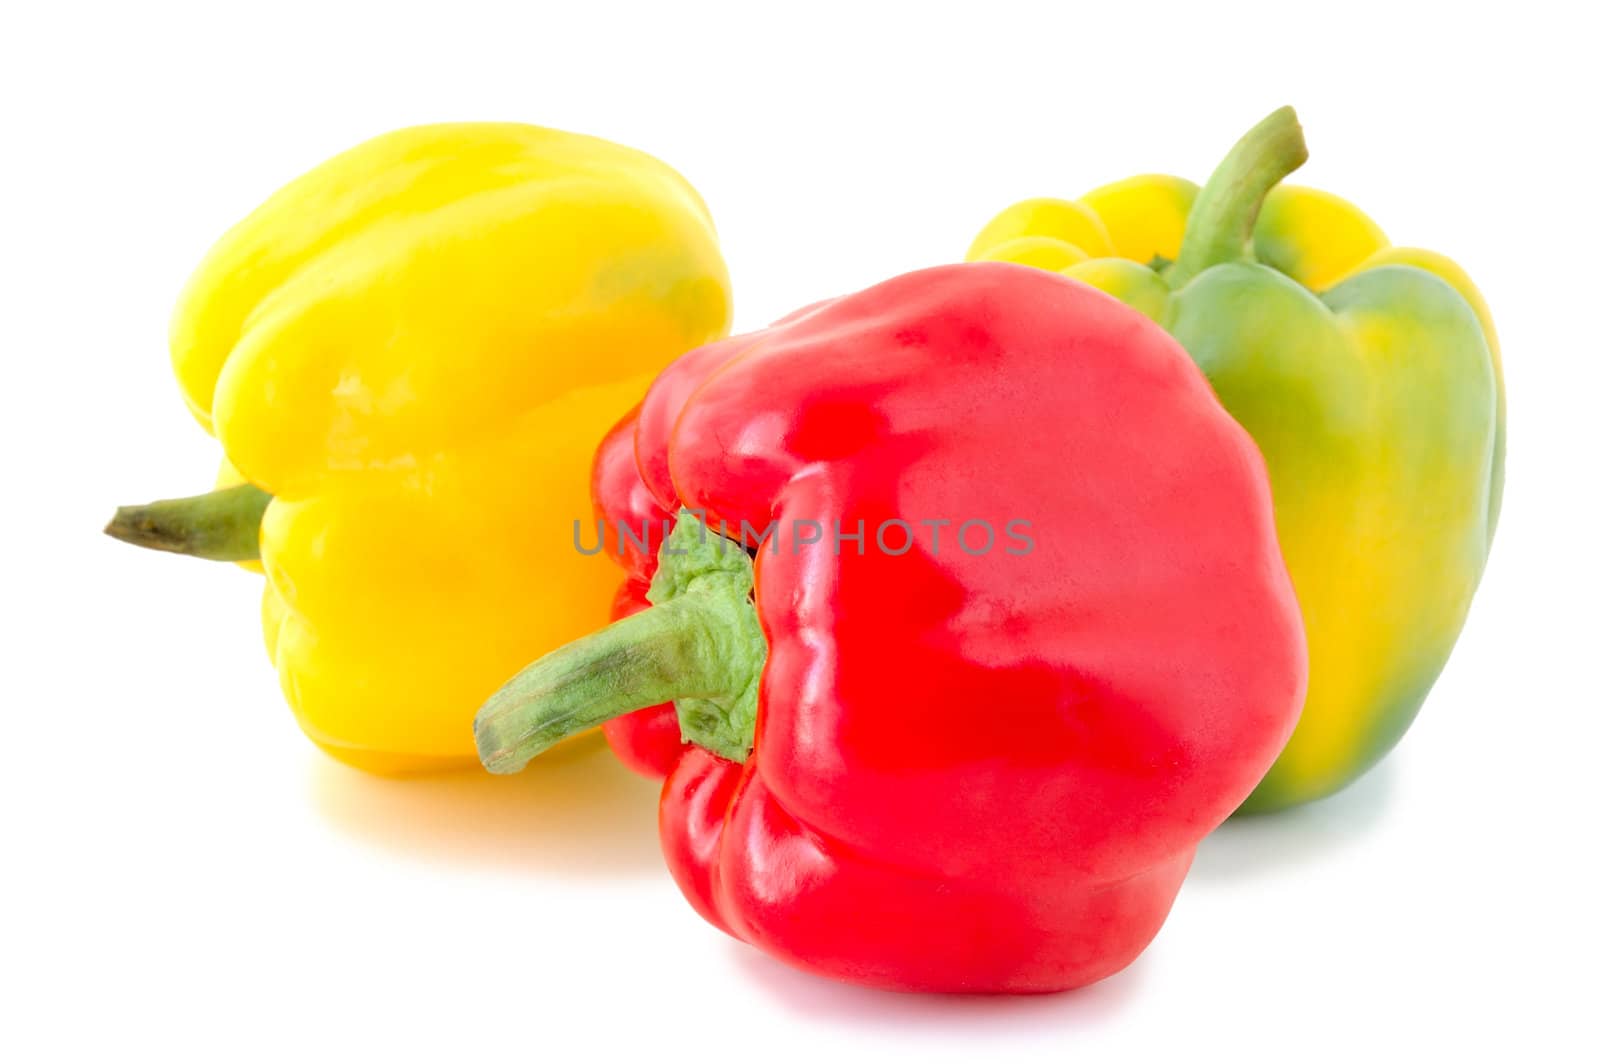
[
  {"x": 1245, "y": 847},
  {"x": 573, "y": 812}
]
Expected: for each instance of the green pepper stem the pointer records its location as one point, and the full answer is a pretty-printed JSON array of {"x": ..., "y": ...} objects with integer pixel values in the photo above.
[
  {"x": 642, "y": 660},
  {"x": 699, "y": 646},
  {"x": 1224, "y": 214},
  {"x": 222, "y": 525}
]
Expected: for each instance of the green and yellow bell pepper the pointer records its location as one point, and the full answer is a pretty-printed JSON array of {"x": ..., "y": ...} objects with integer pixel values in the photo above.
[{"x": 1370, "y": 377}]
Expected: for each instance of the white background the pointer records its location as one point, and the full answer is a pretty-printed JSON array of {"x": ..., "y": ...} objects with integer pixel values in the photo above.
[{"x": 186, "y": 876}]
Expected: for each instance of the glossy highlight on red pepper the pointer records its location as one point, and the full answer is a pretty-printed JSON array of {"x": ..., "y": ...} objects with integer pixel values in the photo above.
[{"x": 970, "y": 772}]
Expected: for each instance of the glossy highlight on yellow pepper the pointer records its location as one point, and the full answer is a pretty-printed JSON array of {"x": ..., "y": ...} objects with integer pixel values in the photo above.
[
  {"x": 415, "y": 349},
  {"x": 1369, "y": 376}
]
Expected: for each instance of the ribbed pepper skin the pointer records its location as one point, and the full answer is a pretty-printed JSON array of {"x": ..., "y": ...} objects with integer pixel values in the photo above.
[
  {"x": 1370, "y": 377},
  {"x": 415, "y": 348}
]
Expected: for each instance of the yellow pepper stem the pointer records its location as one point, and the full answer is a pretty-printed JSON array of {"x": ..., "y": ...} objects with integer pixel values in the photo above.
[
  {"x": 699, "y": 646},
  {"x": 222, "y": 525},
  {"x": 1224, "y": 214}
]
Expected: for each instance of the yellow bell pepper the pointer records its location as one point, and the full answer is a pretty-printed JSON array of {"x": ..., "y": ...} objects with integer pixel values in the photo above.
[
  {"x": 1370, "y": 377},
  {"x": 409, "y": 355}
]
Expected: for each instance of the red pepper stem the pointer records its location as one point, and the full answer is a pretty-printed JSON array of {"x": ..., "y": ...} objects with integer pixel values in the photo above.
[
  {"x": 1224, "y": 214},
  {"x": 700, "y": 646},
  {"x": 639, "y": 661},
  {"x": 222, "y": 525}
]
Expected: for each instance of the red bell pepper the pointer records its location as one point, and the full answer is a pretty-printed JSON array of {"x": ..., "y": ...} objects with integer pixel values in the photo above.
[{"x": 937, "y": 768}]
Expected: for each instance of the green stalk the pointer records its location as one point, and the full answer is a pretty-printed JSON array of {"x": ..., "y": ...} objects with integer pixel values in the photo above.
[
  {"x": 699, "y": 646},
  {"x": 1224, "y": 214},
  {"x": 222, "y": 525}
]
